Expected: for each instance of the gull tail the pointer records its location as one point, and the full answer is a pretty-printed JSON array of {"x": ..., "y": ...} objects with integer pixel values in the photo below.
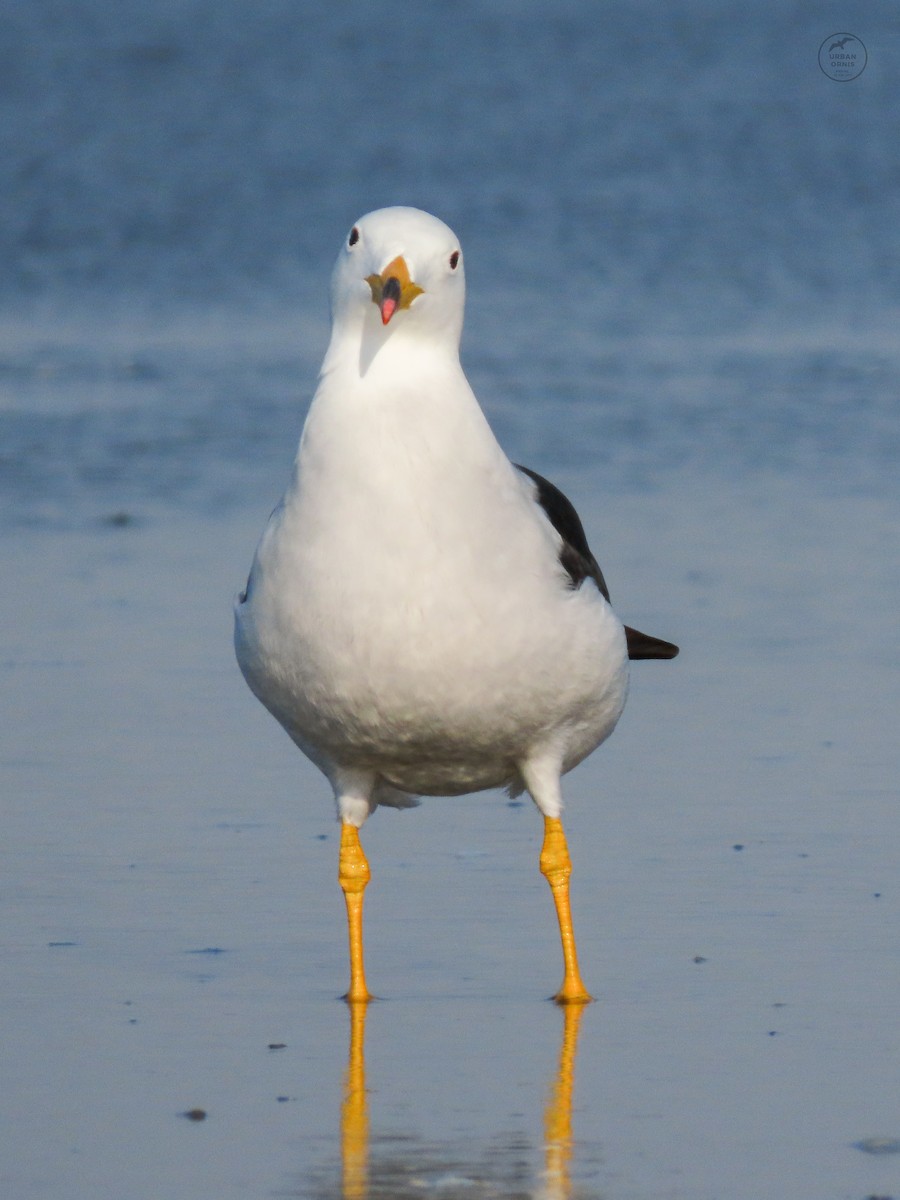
[{"x": 642, "y": 645}]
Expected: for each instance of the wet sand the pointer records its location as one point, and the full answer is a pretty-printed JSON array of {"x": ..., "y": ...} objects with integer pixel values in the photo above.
[{"x": 175, "y": 933}]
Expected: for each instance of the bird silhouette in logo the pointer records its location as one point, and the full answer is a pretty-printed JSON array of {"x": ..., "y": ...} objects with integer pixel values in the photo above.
[{"x": 841, "y": 44}]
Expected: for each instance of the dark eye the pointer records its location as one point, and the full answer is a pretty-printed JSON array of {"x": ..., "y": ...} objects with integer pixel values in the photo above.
[
  {"x": 454, "y": 260},
  {"x": 354, "y": 236}
]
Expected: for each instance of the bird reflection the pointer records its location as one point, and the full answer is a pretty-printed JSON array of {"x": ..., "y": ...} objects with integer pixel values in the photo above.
[
  {"x": 401, "y": 1175},
  {"x": 355, "y": 1110},
  {"x": 558, "y": 1113}
]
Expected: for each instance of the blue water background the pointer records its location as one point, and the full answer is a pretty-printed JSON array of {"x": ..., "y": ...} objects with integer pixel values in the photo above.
[
  {"x": 681, "y": 236},
  {"x": 683, "y": 258}
]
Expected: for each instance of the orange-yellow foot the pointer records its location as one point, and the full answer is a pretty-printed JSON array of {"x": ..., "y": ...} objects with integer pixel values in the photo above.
[
  {"x": 353, "y": 875},
  {"x": 556, "y": 867}
]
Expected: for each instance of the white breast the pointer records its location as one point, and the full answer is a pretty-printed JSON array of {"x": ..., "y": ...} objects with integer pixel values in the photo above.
[{"x": 407, "y": 610}]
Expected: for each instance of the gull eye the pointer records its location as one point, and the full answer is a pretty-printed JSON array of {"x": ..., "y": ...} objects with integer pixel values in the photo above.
[
  {"x": 454, "y": 260},
  {"x": 354, "y": 236}
]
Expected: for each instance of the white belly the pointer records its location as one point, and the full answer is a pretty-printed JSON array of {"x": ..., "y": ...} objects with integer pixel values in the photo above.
[
  {"x": 442, "y": 674},
  {"x": 407, "y": 612}
]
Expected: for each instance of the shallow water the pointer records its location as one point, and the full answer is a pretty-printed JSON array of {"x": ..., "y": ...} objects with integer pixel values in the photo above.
[
  {"x": 660, "y": 321},
  {"x": 172, "y": 908}
]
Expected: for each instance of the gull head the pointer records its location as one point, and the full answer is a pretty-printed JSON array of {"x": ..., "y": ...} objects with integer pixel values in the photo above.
[{"x": 399, "y": 275}]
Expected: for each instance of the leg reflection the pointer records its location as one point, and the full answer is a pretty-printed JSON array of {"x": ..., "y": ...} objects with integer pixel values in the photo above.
[
  {"x": 384, "y": 1177},
  {"x": 558, "y": 1113},
  {"x": 355, "y": 1110}
]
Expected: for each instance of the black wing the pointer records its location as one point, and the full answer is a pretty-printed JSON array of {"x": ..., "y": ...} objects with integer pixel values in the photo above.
[
  {"x": 575, "y": 556},
  {"x": 575, "y": 553}
]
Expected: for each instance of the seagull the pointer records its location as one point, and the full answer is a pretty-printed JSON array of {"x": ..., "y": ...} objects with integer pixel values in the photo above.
[{"x": 424, "y": 617}]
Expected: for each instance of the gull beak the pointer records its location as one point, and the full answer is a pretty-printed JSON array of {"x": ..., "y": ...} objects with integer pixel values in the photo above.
[{"x": 393, "y": 288}]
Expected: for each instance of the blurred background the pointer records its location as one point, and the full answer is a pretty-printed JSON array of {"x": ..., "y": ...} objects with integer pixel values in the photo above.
[
  {"x": 670, "y": 215},
  {"x": 683, "y": 259}
]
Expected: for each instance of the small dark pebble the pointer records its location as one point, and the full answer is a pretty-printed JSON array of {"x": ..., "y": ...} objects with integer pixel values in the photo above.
[
  {"x": 277, "y": 1045},
  {"x": 282, "y": 1099},
  {"x": 878, "y": 1145},
  {"x": 132, "y": 1020},
  {"x": 195, "y": 1114},
  {"x": 877, "y": 895},
  {"x": 779, "y": 1004},
  {"x": 698, "y": 958},
  {"x": 56, "y": 945},
  {"x": 139, "y": 368},
  {"x": 118, "y": 520},
  {"x": 515, "y": 804},
  {"x": 773, "y": 1033},
  {"x": 737, "y": 846},
  {"x": 879, "y": 1198},
  {"x": 207, "y": 950},
  {"x": 321, "y": 837}
]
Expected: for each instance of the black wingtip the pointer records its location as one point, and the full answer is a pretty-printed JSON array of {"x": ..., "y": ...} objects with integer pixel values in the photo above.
[
  {"x": 642, "y": 645},
  {"x": 574, "y": 553}
]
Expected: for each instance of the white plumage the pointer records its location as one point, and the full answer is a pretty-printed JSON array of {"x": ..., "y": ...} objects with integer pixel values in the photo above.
[{"x": 408, "y": 618}]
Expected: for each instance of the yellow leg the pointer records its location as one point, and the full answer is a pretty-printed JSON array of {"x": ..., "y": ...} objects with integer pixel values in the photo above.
[
  {"x": 556, "y": 867},
  {"x": 353, "y": 876}
]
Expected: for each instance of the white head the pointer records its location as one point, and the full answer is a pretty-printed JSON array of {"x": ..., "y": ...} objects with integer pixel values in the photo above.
[{"x": 399, "y": 275}]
